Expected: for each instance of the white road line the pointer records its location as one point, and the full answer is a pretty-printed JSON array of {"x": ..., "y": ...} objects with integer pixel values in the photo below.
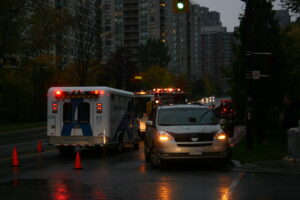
[
  {"x": 28, "y": 155},
  {"x": 228, "y": 194}
]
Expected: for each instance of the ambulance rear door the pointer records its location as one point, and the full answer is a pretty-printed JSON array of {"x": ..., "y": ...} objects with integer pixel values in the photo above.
[{"x": 76, "y": 117}]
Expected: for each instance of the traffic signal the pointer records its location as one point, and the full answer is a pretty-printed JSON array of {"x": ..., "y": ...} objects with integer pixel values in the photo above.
[{"x": 181, "y": 6}]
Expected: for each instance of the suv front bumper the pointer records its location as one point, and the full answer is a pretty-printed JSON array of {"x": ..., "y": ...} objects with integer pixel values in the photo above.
[{"x": 173, "y": 150}]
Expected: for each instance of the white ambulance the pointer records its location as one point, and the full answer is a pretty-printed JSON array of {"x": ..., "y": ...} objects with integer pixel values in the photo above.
[{"x": 90, "y": 117}]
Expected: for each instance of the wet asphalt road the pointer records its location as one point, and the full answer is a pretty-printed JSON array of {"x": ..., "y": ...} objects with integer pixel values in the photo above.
[
  {"x": 122, "y": 176},
  {"x": 48, "y": 176}
]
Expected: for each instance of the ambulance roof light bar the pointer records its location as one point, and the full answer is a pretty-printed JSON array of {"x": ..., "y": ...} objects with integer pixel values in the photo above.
[
  {"x": 170, "y": 90},
  {"x": 78, "y": 94}
]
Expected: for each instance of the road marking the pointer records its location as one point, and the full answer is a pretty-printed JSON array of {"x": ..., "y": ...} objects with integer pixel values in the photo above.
[
  {"x": 29, "y": 154},
  {"x": 228, "y": 194}
]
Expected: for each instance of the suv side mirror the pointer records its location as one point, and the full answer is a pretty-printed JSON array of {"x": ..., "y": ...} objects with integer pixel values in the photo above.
[{"x": 149, "y": 123}]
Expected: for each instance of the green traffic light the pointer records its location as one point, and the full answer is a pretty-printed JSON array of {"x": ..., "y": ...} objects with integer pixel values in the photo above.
[{"x": 180, "y": 5}]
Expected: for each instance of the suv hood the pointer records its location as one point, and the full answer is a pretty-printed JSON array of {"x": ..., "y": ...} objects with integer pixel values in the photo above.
[{"x": 191, "y": 129}]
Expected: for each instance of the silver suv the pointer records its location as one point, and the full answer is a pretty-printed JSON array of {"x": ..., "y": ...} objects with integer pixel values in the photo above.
[{"x": 184, "y": 132}]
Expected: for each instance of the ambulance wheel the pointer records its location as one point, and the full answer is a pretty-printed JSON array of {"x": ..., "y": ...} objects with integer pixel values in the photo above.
[{"x": 66, "y": 151}]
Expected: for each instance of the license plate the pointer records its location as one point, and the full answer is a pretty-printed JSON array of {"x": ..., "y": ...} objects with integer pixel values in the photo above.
[{"x": 196, "y": 152}]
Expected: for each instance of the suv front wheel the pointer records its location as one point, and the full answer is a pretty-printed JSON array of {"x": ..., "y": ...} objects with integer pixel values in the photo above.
[{"x": 155, "y": 159}]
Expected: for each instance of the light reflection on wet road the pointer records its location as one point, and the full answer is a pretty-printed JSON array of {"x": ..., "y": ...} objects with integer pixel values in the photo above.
[{"x": 124, "y": 176}]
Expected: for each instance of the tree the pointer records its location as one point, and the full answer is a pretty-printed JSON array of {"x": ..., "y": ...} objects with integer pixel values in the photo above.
[
  {"x": 158, "y": 77},
  {"x": 12, "y": 22},
  {"x": 121, "y": 69},
  {"x": 153, "y": 53},
  {"x": 27, "y": 32},
  {"x": 85, "y": 33},
  {"x": 28, "y": 28},
  {"x": 292, "y": 50},
  {"x": 293, "y": 5},
  {"x": 259, "y": 34}
]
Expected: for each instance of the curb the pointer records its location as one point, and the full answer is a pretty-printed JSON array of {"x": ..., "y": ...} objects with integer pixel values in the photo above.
[{"x": 288, "y": 168}]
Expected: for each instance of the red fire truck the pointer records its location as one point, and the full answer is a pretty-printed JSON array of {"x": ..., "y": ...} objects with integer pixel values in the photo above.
[{"x": 165, "y": 96}]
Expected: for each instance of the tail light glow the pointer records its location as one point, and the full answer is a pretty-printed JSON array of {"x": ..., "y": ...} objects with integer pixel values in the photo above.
[
  {"x": 54, "y": 108},
  {"x": 57, "y": 93},
  {"x": 102, "y": 92},
  {"x": 99, "y": 107}
]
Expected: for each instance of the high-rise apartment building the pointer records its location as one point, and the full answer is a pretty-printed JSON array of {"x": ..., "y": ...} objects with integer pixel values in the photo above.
[
  {"x": 131, "y": 23},
  {"x": 128, "y": 24},
  {"x": 194, "y": 23},
  {"x": 80, "y": 38},
  {"x": 173, "y": 32},
  {"x": 197, "y": 42},
  {"x": 212, "y": 43},
  {"x": 199, "y": 19},
  {"x": 216, "y": 55}
]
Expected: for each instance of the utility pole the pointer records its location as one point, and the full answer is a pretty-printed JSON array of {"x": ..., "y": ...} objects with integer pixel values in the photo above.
[{"x": 249, "y": 47}]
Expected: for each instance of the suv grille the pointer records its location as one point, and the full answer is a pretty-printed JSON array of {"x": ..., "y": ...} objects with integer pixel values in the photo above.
[{"x": 193, "y": 137}]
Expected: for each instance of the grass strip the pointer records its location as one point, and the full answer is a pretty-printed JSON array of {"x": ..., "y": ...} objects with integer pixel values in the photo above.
[
  {"x": 6, "y": 127},
  {"x": 273, "y": 148}
]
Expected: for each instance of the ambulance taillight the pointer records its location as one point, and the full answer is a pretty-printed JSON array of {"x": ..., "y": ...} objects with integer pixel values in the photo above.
[
  {"x": 58, "y": 94},
  {"x": 99, "y": 107},
  {"x": 54, "y": 108}
]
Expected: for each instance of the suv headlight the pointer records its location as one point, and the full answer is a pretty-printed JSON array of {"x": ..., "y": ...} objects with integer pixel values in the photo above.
[
  {"x": 163, "y": 136},
  {"x": 221, "y": 135}
]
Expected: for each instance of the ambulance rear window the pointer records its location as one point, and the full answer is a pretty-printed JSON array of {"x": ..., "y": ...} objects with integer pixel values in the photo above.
[
  {"x": 84, "y": 113},
  {"x": 67, "y": 113}
]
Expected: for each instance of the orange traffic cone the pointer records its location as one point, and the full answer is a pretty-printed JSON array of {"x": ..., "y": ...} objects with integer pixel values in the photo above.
[
  {"x": 15, "y": 159},
  {"x": 77, "y": 164},
  {"x": 39, "y": 147}
]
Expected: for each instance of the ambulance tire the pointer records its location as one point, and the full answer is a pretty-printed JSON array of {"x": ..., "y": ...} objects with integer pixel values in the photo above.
[{"x": 66, "y": 151}]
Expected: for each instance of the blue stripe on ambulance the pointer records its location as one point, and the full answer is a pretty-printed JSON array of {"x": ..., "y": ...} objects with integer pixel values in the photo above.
[
  {"x": 123, "y": 126},
  {"x": 67, "y": 128}
]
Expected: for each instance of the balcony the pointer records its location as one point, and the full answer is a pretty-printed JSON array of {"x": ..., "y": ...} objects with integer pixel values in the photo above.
[
  {"x": 131, "y": 29},
  {"x": 130, "y": 8},
  {"x": 131, "y": 15},
  {"x": 131, "y": 23}
]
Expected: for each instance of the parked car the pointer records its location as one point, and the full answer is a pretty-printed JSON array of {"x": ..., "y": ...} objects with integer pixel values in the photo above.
[{"x": 185, "y": 132}]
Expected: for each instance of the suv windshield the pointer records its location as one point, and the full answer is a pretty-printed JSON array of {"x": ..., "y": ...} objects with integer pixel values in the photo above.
[{"x": 186, "y": 116}]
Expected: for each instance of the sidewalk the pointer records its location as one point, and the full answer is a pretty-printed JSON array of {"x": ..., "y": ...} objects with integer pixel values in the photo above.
[
  {"x": 280, "y": 165},
  {"x": 272, "y": 166},
  {"x": 293, "y": 139}
]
